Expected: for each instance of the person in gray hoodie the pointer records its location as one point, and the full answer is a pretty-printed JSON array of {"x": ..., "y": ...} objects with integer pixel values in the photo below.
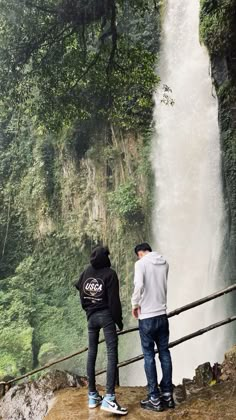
[{"x": 149, "y": 306}]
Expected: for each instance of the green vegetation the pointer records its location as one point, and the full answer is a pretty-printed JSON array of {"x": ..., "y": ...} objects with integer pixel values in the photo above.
[
  {"x": 76, "y": 85},
  {"x": 125, "y": 203},
  {"x": 218, "y": 32},
  {"x": 217, "y": 27},
  {"x": 65, "y": 60}
]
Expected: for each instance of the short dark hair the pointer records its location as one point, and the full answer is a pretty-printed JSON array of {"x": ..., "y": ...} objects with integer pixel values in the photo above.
[{"x": 142, "y": 247}]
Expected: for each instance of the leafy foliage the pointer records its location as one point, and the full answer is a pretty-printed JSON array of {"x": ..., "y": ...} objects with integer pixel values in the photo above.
[
  {"x": 70, "y": 72},
  {"x": 60, "y": 63},
  {"x": 126, "y": 203},
  {"x": 218, "y": 31},
  {"x": 16, "y": 349},
  {"x": 217, "y": 26}
]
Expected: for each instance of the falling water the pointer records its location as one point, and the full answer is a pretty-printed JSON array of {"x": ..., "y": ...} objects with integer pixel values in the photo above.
[{"x": 188, "y": 221}]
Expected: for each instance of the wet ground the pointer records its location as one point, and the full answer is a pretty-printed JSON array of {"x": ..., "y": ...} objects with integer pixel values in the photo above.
[{"x": 217, "y": 402}]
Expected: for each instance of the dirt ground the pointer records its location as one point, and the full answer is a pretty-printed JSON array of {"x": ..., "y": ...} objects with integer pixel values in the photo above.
[{"x": 217, "y": 402}]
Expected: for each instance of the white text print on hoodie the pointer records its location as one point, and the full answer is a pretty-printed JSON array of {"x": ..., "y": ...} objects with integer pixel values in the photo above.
[{"x": 150, "y": 285}]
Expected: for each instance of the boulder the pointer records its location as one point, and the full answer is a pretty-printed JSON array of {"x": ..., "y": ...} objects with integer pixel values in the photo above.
[
  {"x": 228, "y": 367},
  {"x": 30, "y": 401},
  {"x": 230, "y": 357},
  {"x": 179, "y": 394},
  {"x": 204, "y": 374},
  {"x": 216, "y": 371},
  {"x": 224, "y": 377},
  {"x": 190, "y": 387}
]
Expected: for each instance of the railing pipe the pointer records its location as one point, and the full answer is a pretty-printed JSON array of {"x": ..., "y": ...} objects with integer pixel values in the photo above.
[
  {"x": 129, "y": 330},
  {"x": 176, "y": 342}
]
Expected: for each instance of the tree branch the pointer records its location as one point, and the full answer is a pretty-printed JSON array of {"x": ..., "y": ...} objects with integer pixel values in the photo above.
[
  {"x": 90, "y": 65},
  {"x": 114, "y": 36},
  {"x": 29, "y": 48}
]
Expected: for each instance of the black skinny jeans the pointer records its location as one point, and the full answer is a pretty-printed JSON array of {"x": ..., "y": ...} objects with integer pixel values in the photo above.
[{"x": 98, "y": 320}]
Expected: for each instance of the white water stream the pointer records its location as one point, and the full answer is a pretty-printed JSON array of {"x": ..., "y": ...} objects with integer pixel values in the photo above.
[{"x": 188, "y": 221}]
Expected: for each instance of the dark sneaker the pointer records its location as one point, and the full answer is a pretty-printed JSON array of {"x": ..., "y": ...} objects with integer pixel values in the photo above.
[
  {"x": 168, "y": 401},
  {"x": 152, "y": 404}
]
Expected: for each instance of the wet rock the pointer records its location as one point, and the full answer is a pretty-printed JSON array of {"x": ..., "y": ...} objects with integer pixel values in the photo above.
[
  {"x": 204, "y": 374},
  {"x": 216, "y": 370},
  {"x": 224, "y": 377},
  {"x": 220, "y": 70},
  {"x": 228, "y": 367},
  {"x": 179, "y": 394},
  {"x": 190, "y": 387},
  {"x": 30, "y": 401},
  {"x": 230, "y": 356},
  {"x": 187, "y": 385}
]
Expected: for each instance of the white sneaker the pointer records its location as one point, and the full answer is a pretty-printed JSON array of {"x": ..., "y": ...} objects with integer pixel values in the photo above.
[
  {"x": 94, "y": 399},
  {"x": 110, "y": 405}
]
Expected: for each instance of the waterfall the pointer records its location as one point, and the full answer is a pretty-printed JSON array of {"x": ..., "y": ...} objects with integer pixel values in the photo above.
[{"x": 188, "y": 219}]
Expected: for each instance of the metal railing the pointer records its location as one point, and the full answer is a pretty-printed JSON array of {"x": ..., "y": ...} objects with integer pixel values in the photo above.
[{"x": 127, "y": 331}]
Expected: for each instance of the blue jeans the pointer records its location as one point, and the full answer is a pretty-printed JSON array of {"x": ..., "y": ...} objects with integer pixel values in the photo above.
[
  {"x": 156, "y": 331},
  {"x": 97, "y": 321}
]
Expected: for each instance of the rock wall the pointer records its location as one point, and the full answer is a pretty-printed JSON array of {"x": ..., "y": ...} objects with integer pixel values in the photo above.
[
  {"x": 30, "y": 401},
  {"x": 218, "y": 32}
]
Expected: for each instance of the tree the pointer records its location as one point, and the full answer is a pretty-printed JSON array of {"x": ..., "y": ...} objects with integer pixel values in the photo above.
[{"x": 61, "y": 60}]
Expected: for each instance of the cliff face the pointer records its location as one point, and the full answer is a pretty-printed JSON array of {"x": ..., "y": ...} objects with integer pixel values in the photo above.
[
  {"x": 218, "y": 32},
  {"x": 65, "y": 204}
]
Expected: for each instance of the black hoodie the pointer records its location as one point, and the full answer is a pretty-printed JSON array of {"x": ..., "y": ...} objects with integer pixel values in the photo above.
[{"x": 99, "y": 286}]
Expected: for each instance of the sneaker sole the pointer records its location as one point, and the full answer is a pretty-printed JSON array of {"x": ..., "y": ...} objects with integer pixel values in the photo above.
[
  {"x": 169, "y": 408},
  {"x": 114, "y": 411},
  {"x": 152, "y": 409},
  {"x": 95, "y": 405}
]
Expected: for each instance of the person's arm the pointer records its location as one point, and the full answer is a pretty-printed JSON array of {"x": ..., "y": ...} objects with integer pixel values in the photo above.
[
  {"x": 138, "y": 289},
  {"x": 114, "y": 300}
]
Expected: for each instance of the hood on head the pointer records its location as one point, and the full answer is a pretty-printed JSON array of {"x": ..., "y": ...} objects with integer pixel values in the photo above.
[
  {"x": 155, "y": 258},
  {"x": 100, "y": 257}
]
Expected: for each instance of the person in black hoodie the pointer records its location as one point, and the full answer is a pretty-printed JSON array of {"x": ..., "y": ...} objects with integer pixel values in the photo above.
[{"x": 98, "y": 286}]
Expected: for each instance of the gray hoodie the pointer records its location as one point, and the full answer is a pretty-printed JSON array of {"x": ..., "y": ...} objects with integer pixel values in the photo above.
[{"x": 150, "y": 285}]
